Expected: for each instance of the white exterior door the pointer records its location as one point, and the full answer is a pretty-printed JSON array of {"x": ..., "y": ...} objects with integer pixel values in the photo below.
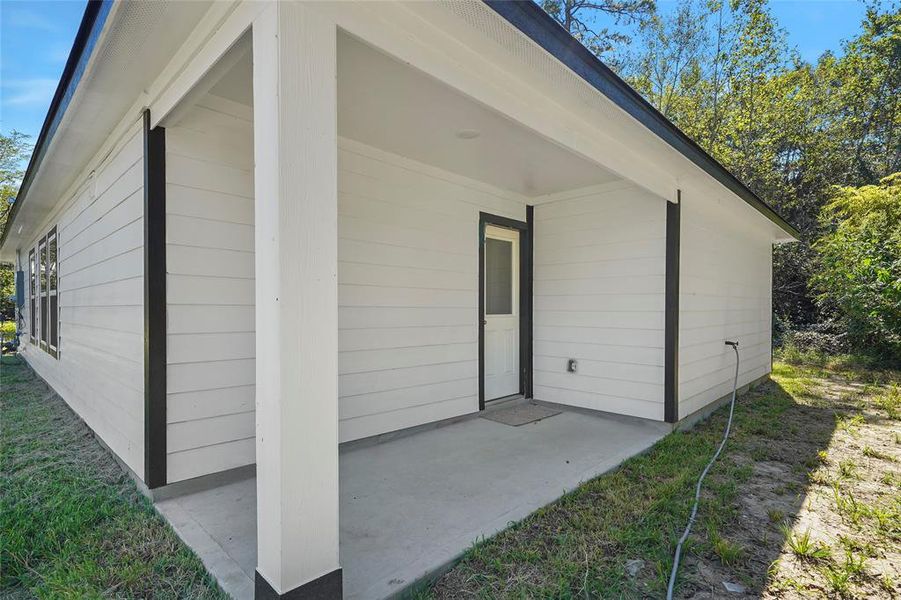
[{"x": 501, "y": 272}]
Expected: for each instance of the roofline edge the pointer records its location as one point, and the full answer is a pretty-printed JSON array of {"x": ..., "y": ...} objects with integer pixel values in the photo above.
[
  {"x": 92, "y": 22},
  {"x": 531, "y": 20}
]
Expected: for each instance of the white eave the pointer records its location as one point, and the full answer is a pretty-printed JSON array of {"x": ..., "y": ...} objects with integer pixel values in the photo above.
[{"x": 120, "y": 46}]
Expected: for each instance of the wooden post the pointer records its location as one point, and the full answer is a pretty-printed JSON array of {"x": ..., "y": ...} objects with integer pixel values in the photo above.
[{"x": 295, "y": 152}]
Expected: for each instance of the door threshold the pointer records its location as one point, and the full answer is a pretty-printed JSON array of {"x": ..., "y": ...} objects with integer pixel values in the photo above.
[{"x": 504, "y": 402}]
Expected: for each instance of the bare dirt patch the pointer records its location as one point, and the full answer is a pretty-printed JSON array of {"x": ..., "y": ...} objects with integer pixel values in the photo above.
[{"x": 804, "y": 503}]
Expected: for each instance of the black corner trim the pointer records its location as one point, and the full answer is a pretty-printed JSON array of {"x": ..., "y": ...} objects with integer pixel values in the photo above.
[
  {"x": 671, "y": 326},
  {"x": 528, "y": 293},
  {"x": 525, "y": 298},
  {"x": 154, "y": 304},
  {"x": 529, "y": 18},
  {"x": 328, "y": 587}
]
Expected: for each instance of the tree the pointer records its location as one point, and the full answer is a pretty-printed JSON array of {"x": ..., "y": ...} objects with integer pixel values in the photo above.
[
  {"x": 723, "y": 72},
  {"x": 578, "y": 17},
  {"x": 865, "y": 99},
  {"x": 860, "y": 263},
  {"x": 14, "y": 150}
]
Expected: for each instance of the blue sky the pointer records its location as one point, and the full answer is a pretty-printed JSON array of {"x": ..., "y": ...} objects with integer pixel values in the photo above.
[{"x": 35, "y": 38}]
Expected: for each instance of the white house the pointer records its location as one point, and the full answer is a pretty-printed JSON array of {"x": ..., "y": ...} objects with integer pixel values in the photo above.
[{"x": 252, "y": 232}]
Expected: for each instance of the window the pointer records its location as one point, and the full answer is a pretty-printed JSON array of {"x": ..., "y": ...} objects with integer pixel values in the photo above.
[
  {"x": 44, "y": 293},
  {"x": 52, "y": 292},
  {"x": 32, "y": 290},
  {"x": 498, "y": 277},
  {"x": 42, "y": 276}
]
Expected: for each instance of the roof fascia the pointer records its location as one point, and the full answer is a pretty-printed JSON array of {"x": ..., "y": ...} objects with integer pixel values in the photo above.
[{"x": 541, "y": 28}]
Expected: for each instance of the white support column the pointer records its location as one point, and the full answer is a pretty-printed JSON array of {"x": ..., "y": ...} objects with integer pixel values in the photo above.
[{"x": 295, "y": 153}]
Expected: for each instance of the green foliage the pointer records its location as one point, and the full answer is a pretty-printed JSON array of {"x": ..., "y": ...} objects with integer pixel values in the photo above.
[
  {"x": 791, "y": 130},
  {"x": 14, "y": 149},
  {"x": 803, "y": 546},
  {"x": 578, "y": 17},
  {"x": 860, "y": 263}
]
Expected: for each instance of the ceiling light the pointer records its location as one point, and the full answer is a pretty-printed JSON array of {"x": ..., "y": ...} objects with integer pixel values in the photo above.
[{"x": 468, "y": 134}]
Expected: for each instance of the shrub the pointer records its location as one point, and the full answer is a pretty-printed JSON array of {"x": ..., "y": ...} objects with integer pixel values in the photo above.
[{"x": 860, "y": 264}]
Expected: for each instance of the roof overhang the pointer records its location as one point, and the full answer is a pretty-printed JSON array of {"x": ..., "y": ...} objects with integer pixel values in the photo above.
[
  {"x": 92, "y": 23},
  {"x": 118, "y": 48},
  {"x": 541, "y": 28}
]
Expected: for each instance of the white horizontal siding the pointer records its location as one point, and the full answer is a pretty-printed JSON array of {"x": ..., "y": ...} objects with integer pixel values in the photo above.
[
  {"x": 100, "y": 370},
  {"x": 599, "y": 268},
  {"x": 210, "y": 290},
  {"x": 725, "y": 293},
  {"x": 407, "y": 290}
]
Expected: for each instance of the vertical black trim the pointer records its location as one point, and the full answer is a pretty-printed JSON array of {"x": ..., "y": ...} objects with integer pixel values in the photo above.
[
  {"x": 536, "y": 24},
  {"x": 671, "y": 327},
  {"x": 527, "y": 292},
  {"x": 154, "y": 304},
  {"x": 525, "y": 299},
  {"x": 328, "y": 587},
  {"x": 481, "y": 315}
]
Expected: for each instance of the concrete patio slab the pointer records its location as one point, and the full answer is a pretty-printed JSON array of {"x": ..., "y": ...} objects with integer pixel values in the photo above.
[{"x": 412, "y": 505}]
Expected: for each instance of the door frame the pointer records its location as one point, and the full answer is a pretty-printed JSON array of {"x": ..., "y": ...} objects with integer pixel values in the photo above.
[{"x": 526, "y": 237}]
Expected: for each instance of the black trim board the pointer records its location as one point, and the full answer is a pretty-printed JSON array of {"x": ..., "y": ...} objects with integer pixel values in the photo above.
[
  {"x": 92, "y": 22},
  {"x": 154, "y": 304},
  {"x": 671, "y": 312},
  {"x": 530, "y": 19},
  {"x": 527, "y": 291},
  {"x": 328, "y": 587},
  {"x": 525, "y": 298}
]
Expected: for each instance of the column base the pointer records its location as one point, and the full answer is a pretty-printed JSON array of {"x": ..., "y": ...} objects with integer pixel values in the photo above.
[{"x": 327, "y": 587}]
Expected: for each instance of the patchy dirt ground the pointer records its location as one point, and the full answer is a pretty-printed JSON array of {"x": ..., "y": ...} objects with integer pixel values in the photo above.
[
  {"x": 804, "y": 503},
  {"x": 819, "y": 514}
]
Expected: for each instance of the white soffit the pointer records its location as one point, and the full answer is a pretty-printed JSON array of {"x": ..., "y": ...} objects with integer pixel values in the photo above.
[
  {"x": 385, "y": 103},
  {"x": 139, "y": 38}
]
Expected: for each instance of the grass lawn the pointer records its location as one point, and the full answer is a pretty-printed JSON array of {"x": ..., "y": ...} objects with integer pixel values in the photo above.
[
  {"x": 73, "y": 524},
  {"x": 804, "y": 502}
]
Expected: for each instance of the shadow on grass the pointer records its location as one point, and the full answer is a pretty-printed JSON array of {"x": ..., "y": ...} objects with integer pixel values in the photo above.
[
  {"x": 614, "y": 536},
  {"x": 73, "y": 523}
]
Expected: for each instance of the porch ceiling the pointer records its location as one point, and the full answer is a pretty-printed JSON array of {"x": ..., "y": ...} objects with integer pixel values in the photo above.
[
  {"x": 385, "y": 103},
  {"x": 388, "y": 104}
]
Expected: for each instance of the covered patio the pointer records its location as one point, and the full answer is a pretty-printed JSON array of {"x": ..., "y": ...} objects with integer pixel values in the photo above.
[
  {"x": 368, "y": 249},
  {"x": 412, "y": 505}
]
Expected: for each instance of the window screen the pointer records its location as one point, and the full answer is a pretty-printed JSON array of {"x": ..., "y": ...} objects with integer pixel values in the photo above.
[
  {"x": 42, "y": 278},
  {"x": 498, "y": 277},
  {"x": 32, "y": 302},
  {"x": 52, "y": 292}
]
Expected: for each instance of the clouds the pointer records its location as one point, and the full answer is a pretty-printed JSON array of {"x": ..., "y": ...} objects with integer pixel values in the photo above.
[{"x": 27, "y": 92}]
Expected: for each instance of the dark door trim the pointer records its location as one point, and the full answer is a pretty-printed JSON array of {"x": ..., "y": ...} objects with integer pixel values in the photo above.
[
  {"x": 671, "y": 317},
  {"x": 154, "y": 305},
  {"x": 525, "y": 298}
]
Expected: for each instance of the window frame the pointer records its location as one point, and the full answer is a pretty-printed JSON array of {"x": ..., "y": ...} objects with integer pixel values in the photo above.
[
  {"x": 42, "y": 296},
  {"x": 43, "y": 268},
  {"x": 32, "y": 292},
  {"x": 53, "y": 292}
]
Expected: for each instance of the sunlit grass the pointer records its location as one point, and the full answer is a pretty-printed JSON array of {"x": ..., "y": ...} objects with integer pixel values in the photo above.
[{"x": 73, "y": 524}]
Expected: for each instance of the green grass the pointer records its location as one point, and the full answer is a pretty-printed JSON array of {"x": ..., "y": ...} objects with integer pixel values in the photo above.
[
  {"x": 578, "y": 547},
  {"x": 73, "y": 524},
  {"x": 803, "y": 546}
]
